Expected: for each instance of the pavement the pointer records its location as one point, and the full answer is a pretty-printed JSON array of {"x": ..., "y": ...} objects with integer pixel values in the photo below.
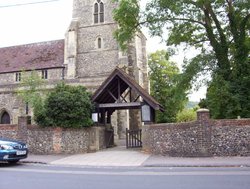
[{"x": 122, "y": 157}]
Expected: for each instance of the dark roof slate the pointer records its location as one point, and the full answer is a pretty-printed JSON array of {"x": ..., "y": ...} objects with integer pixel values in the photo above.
[{"x": 32, "y": 56}]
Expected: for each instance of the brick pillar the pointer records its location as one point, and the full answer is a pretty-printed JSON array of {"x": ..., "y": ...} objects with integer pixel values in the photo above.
[
  {"x": 57, "y": 140},
  {"x": 146, "y": 139},
  {"x": 94, "y": 139},
  {"x": 22, "y": 129},
  {"x": 203, "y": 115},
  {"x": 203, "y": 119}
]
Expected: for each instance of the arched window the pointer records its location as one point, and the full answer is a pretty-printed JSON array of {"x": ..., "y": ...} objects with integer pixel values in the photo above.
[
  {"x": 99, "y": 43},
  {"x": 98, "y": 12},
  {"x": 5, "y": 118},
  {"x": 101, "y": 13}
]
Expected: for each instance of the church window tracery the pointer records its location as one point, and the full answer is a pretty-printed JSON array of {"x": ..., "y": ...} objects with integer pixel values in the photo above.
[{"x": 98, "y": 12}]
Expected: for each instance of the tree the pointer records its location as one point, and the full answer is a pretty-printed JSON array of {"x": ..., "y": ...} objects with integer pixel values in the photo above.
[
  {"x": 66, "y": 106},
  {"x": 219, "y": 29},
  {"x": 164, "y": 86},
  {"x": 30, "y": 89},
  {"x": 187, "y": 115}
]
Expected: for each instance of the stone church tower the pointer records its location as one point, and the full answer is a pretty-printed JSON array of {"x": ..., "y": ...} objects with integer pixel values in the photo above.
[
  {"x": 92, "y": 53},
  {"x": 90, "y": 48}
]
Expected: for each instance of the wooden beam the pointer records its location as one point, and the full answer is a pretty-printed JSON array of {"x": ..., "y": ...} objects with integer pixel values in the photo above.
[
  {"x": 137, "y": 98},
  {"x": 119, "y": 90},
  {"x": 112, "y": 95},
  {"x": 123, "y": 99},
  {"x": 127, "y": 93},
  {"x": 120, "y": 105},
  {"x": 130, "y": 94}
]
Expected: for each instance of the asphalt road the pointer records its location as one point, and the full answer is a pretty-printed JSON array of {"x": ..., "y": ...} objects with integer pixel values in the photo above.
[{"x": 26, "y": 176}]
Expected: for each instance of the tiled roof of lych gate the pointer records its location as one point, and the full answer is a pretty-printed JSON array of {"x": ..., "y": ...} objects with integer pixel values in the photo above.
[
  {"x": 32, "y": 56},
  {"x": 102, "y": 94}
]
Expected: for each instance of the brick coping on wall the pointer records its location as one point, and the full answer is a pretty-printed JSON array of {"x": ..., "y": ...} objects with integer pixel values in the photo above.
[
  {"x": 7, "y": 127},
  {"x": 231, "y": 122}
]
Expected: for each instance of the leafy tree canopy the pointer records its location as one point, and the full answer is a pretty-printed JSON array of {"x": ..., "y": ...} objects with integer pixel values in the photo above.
[
  {"x": 187, "y": 115},
  {"x": 66, "y": 106},
  {"x": 164, "y": 77},
  {"x": 219, "y": 29},
  {"x": 30, "y": 88}
]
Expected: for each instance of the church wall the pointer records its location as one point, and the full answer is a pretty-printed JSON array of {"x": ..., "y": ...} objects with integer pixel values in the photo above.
[
  {"x": 10, "y": 104},
  {"x": 10, "y": 78},
  {"x": 137, "y": 69},
  {"x": 87, "y": 38},
  {"x": 82, "y": 8},
  {"x": 9, "y": 100},
  {"x": 141, "y": 70},
  {"x": 87, "y": 63},
  {"x": 92, "y": 61},
  {"x": 55, "y": 74},
  {"x": 7, "y": 78}
]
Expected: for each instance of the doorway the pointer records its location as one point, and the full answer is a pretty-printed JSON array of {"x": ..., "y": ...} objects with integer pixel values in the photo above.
[{"x": 5, "y": 118}]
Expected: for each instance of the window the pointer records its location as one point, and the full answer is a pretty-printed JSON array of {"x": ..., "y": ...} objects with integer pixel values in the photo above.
[
  {"x": 44, "y": 74},
  {"x": 27, "y": 108},
  {"x": 18, "y": 77},
  {"x": 99, "y": 42},
  {"x": 101, "y": 13},
  {"x": 98, "y": 12}
]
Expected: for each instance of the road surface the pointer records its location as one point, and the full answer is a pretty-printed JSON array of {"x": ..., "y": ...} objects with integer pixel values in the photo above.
[{"x": 34, "y": 176}]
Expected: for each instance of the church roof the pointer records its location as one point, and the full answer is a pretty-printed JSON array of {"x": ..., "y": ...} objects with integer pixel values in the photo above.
[{"x": 34, "y": 56}]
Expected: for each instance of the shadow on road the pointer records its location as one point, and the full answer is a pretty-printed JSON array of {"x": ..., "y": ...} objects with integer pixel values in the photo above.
[{"x": 6, "y": 164}]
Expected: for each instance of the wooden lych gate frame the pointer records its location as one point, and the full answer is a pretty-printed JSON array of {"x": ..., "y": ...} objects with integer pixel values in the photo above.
[{"x": 120, "y": 91}]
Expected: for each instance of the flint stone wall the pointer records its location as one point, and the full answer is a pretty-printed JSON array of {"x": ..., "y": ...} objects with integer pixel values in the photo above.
[
  {"x": 204, "y": 137},
  {"x": 55, "y": 140},
  {"x": 183, "y": 139},
  {"x": 8, "y": 131},
  {"x": 230, "y": 137}
]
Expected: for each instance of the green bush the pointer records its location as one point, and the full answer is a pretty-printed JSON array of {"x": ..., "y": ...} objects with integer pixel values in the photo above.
[
  {"x": 66, "y": 106},
  {"x": 186, "y": 115}
]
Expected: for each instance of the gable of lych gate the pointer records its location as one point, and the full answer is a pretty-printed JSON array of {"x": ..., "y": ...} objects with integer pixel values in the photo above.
[{"x": 109, "y": 94}]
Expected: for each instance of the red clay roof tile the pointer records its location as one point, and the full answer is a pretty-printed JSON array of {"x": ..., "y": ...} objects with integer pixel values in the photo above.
[{"x": 32, "y": 56}]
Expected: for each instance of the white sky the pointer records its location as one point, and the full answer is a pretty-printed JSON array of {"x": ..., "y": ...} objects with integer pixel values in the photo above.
[{"x": 49, "y": 21}]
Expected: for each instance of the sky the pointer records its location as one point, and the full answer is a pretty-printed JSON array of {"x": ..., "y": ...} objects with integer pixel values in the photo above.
[{"x": 30, "y": 21}]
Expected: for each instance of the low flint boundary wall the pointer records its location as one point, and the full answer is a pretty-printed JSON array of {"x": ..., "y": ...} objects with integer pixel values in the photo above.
[
  {"x": 204, "y": 137},
  {"x": 55, "y": 140}
]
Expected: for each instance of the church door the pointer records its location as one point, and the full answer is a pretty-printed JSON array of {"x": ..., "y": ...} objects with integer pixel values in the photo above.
[{"x": 5, "y": 118}]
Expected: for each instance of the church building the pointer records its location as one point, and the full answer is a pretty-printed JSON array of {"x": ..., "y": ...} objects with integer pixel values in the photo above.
[{"x": 87, "y": 56}]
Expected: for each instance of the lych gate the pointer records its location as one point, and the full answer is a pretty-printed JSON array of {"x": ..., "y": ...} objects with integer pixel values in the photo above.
[{"x": 118, "y": 92}]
